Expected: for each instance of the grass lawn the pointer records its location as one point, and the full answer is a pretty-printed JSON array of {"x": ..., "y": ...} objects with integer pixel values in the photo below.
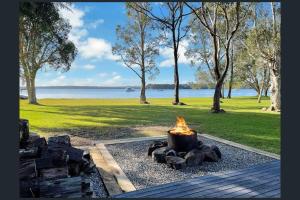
[{"x": 244, "y": 121}]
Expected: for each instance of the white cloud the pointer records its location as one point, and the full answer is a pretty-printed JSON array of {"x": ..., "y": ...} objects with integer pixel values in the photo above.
[
  {"x": 115, "y": 80},
  {"x": 114, "y": 73},
  {"x": 95, "y": 23},
  {"x": 73, "y": 15},
  {"x": 89, "y": 67},
  {"x": 96, "y": 48},
  {"x": 88, "y": 47},
  {"x": 167, "y": 54},
  {"x": 102, "y": 75}
]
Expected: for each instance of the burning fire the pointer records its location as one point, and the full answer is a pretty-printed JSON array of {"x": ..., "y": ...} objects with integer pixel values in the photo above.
[{"x": 181, "y": 127}]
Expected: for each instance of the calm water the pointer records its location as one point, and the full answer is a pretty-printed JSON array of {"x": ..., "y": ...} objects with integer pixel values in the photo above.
[{"x": 121, "y": 93}]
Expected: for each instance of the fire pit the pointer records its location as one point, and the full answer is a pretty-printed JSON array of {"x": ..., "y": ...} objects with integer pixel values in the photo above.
[{"x": 183, "y": 148}]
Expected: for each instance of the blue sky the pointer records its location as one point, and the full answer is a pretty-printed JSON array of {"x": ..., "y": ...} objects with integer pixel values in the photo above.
[{"x": 93, "y": 32}]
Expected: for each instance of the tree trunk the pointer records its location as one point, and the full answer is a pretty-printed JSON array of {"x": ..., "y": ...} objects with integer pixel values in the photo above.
[
  {"x": 221, "y": 94},
  {"x": 266, "y": 91},
  {"x": 30, "y": 85},
  {"x": 275, "y": 90},
  {"x": 262, "y": 87},
  {"x": 176, "y": 75},
  {"x": 267, "y": 84},
  {"x": 231, "y": 76},
  {"x": 216, "y": 100},
  {"x": 176, "y": 83},
  {"x": 143, "y": 89},
  {"x": 223, "y": 91}
]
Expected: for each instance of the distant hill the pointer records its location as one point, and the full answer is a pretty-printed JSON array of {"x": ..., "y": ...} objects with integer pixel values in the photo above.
[{"x": 167, "y": 86}]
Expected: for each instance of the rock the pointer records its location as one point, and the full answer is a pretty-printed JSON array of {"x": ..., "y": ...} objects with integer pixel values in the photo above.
[
  {"x": 156, "y": 145},
  {"x": 175, "y": 162},
  {"x": 171, "y": 152},
  {"x": 204, "y": 148},
  {"x": 199, "y": 143},
  {"x": 159, "y": 155},
  {"x": 213, "y": 155},
  {"x": 60, "y": 140},
  {"x": 194, "y": 157},
  {"x": 216, "y": 150},
  {"x": 181, "y": 154}
]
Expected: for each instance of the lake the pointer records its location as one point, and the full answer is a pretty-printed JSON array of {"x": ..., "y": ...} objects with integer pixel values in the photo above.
[{"x": 42, "y": 93}]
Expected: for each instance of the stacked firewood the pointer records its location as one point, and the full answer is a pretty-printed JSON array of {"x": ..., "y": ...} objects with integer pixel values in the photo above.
[{"x": 52, "y": 168}]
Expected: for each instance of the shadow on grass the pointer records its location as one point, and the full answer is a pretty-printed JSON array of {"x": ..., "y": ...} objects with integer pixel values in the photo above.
[{"x": 256, "y": 129}]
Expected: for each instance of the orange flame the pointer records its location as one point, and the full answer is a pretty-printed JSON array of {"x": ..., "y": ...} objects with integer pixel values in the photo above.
[{"x": 181, "y": 127}]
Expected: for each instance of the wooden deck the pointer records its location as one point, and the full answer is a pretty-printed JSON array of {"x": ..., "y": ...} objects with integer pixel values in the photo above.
[{"x": 261, "y": 180}]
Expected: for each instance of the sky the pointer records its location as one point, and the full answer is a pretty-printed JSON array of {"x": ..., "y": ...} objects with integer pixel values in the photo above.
[{"x": 93, "y": 33}]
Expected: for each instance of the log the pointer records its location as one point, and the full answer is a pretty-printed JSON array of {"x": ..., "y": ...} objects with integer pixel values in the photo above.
[
  {"x": 24, "y": 131},
  {"x": 60, "y": 140},
  {"x": 54, "y": 173},
  {"x": 27, "y": 169},
  {"x": 75, "y": 155},
  {"x": 28, "y": 153},
  {"x": 29, "y": 188},
  {"x": 61, "y": 188},
  {"x": 55, "y": 159},
  {"x": 38, "y": 142}
]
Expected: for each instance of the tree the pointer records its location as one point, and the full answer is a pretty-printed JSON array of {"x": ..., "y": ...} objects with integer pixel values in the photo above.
[
  {"x": 136, "y": 46},
  {"x": 43, "y": 40},
  {"x": 171, "y": 21},
  {"x": 221, "y": 21},
  {"x": 267, "y": 35},
  {"x": 262, "y": 44}
]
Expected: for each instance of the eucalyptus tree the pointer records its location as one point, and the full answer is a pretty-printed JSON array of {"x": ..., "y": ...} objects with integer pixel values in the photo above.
[
  {"x": 267, "y": 36},
  {"x": 221, "y": 21},
  {"x": 136, "y": 46},
  {"x": 43, "y": 41},
  {"x": 262, "y": 44},
  {"x": 171, "y": 21}
]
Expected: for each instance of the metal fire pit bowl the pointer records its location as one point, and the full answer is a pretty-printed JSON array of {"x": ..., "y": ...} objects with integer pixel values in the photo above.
[{"x": 182, "y": 143}]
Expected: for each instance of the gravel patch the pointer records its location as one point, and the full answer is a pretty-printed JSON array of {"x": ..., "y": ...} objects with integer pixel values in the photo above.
[
  {"x": 97, "y": 184},
  {"x": 143, "y": 172}
]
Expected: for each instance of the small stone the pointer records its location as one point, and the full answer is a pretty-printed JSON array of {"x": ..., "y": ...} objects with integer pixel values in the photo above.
[
  {"x": 175, "y": 162},
  {"x": 159, "y": 155},
  {"x": 171, "y": 152},
  {"x": 194, "y": 157}
]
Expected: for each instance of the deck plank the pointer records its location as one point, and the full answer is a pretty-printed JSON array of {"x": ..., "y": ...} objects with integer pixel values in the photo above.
[
  {"x": 165, "y": 188},
  {"x": 261, "y": 180}
]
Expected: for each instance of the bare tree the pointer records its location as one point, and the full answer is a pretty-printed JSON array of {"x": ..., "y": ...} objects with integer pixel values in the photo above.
[
  {"x": 170, "y": 20},
  {"x": 136, "y": 46}
]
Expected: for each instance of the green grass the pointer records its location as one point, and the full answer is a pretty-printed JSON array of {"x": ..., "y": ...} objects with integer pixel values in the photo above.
[{"x": 244, "y": 121}]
